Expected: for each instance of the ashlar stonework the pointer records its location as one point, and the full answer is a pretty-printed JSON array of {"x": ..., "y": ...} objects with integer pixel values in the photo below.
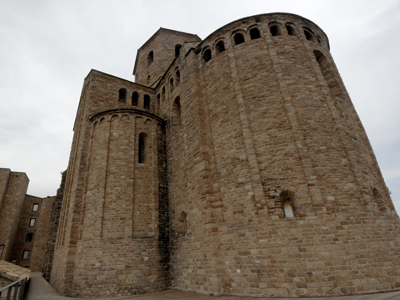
[{"x": 233, "y": 165}]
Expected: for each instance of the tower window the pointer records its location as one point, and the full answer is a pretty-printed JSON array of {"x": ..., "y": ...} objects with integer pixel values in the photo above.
[
  {"x": 150, "y": 58},
  {"x": 122, "y": 95},
  {"x": 177, "y": 50},
  {"x": 220, "y": 47},
  {"x": 290, "y": 29},
  {"x": 29, "y": 237},
  {"x": 32, "y": 222},
  {"x": 135, "y": 98},
  {"x": 207, "y": 55},
  {"x": 238, "y": 38},
  {"x": 171, "y": 84},
  {"x": 309, "y": 35},
  {"x": 176, "y": 111},
  {"x": 274, "y": 29},
  {"x": 146, "y": 102},
  {"x": 25, "y": 254},
  {"x": 287, "y": 198},
  {"x": 141, "y": 150},
  {"x": 178, "y": 76},
  {"x": 254, "y": 33},
  {"x": 35, "y": 207}
]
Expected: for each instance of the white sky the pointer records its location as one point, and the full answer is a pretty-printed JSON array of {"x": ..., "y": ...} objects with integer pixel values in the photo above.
[{"x": 48, "y": 47}]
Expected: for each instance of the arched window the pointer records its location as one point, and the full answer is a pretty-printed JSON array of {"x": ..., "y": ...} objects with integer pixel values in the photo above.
[
  {"x": 207, "y": 55},
  {"x": 220, "y": 47},
  {"x": 309, "y": 34},
  {"x": 176, "y": 111},
  {"x": 238, "y": 38},
  {"x": 177, "y": 49},
  {"x": 178, "y": 76},
  {"x": 146, "y": 102},
  {"x": 287, "y": 198},
  {"x": 150, "y": 58},
  {"x": 135, "y": 98},
  {"x": 141, "y": 148},
  {"x": 290, "y": 29},
  {"x": 254, "y": 33},
  {"x": 122, "y": 95},
  {"x": 171, "y": 84},
  {"x": 274, "y": 29}
]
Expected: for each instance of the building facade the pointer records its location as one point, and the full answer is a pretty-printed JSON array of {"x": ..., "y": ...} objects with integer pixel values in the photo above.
[
  {"x": 24, "y": 221},
  {"x": 232, "y": 165}
]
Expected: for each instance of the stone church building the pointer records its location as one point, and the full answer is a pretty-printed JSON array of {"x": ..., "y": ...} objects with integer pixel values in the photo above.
[{"x": 233, "y": 165}]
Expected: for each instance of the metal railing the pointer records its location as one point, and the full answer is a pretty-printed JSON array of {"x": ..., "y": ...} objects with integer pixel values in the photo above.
[{"x": 15, "y": 290}]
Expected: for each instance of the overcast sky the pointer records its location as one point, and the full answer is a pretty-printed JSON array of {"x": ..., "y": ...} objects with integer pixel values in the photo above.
[{"x": 48, "y": 47}]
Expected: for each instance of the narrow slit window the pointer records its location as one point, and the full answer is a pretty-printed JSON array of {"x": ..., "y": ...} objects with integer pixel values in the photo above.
[
  {"x": 288, "y": 210},
  {"x": 32, "y": 222},
  {"x": 171, "y": 84},
  {"x": 176, "y": 111},
  {"x": 141, "y": 150},
  {"x": 238, "y": 38},
  {"x": 254, "y": 33},
  {"x": 177, "y": 50},
  {"x": 122, "y": 95},
  {"x": 29, "y": 237},
  {"x": 25, "y": 254},
  {"x": 135, "y": 98},
  {"x": 150, "y": 58},
  {"x": 178, "y": 76},
  {"x": 35, "y": 207},
  {"x": 220, "y": 47},
  {"x": 146, "y": 102}
]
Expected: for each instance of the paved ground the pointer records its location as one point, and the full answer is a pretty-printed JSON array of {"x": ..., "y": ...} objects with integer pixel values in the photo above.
[{"x": 40, "y": 289}]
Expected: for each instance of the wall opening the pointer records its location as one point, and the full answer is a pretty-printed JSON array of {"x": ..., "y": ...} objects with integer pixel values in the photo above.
[
  {"x": 158, "y": 100},
  {"x": 176, "y": 111},
  {"x": 290, "y": 29},
  {"x": 309, "y": 35},
  {"x": 146, "y": 102},
  {"x": 287, "y": 198},
  {"x": 122, "y": 95},
  {"x": 178, "y": 76},
  {"x": 207, "y": 55},
  {"x": 35, "y": 207},
  {"x": 135, "y": 98},
  {"x": 220, "y": 47},
  {"x": 29, "y": 237},
  {"x": 177, "y": 50},
  {"x": 274, "y": 29},
  {"x": 238, "y": 38},
  {"x": 150, "y": 58},
  {"x": 32, "y": 222},
  {"x": 254, "y": 33},
  {"x": 163, "y": 93},
  {"x": 25, "y": 254},
  {"x": 171, "y": 84},
  {"x": 141, "y": 148}
]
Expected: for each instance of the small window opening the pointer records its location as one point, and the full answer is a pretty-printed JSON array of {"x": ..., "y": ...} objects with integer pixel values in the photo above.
[
  {"x": 178, "y": 76},
  {"x": 158, "y": 99},
  {"x": 286, "y": 198},
  {"x": 239, "y": 39},
  {"x": 163, "y": 93},
  {"x": 29, "y": 237},
  {"x": 308, "y": 35},
  {"x": 177, "y": 50},
  {"x": 122, "y": 95},
  {"x": 254, "y": 33},
  {"x": 290, "y": 29},
  {"x": 150, "y": 58},
  {"x": 171, "y": 84},
  {"x": 220, "y": 47},
  {"x": 141, "y": 150},
  {"x": 25, "y": 254},
  {"x": 207, "y": 55},
  {"x": 135, "y": 98},
  {"x": 176, "y": 111},
  {"x": 274, "y": 30},
  {"x": 35, "y": 207},
  {"x": 148, "y": 79},
  {"x": 32, "y": 222},
  {"x": 146, "y": 102}
]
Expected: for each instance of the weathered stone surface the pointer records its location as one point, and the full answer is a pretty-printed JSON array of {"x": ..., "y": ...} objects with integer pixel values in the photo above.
[{"x": 241, "y": 169}]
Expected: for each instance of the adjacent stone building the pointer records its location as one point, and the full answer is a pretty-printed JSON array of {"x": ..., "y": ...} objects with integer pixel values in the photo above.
[
  {"x": 24, "y": 221},
  {"x": 232, "y": 165}
]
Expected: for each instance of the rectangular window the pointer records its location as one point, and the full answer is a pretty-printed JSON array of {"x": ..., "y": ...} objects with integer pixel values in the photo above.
[
  {"x": 32, "y": 222},
  {"x": 25, "y": 254},
  {"x": 29, "y": 237},
  {"x": 35, "y": 207}
]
